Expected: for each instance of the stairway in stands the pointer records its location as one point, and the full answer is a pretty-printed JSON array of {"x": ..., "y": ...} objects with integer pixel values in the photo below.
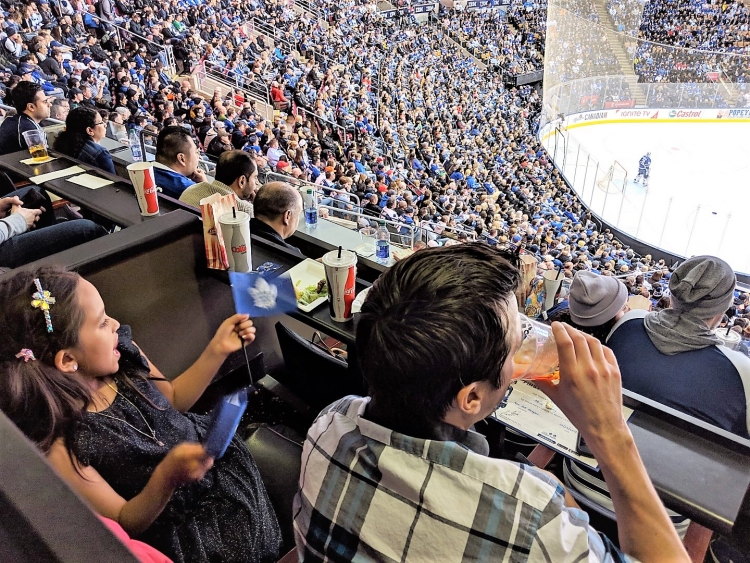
[{"x": 617, "y": 45}]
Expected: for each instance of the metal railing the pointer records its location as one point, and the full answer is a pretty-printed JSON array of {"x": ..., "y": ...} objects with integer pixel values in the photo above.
[
  {"x": 307, "y": 6},
  {"x": 395, "y": 235},
  {"x": 255, "y": 88},
  {"x": 278, "y": 35},
  {"x": 166, "y": 52},
  {"x": 275, "y": 176}
]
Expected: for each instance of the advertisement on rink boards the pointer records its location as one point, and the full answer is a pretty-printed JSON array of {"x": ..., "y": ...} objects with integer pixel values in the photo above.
[{"x": 656, "y": 114}]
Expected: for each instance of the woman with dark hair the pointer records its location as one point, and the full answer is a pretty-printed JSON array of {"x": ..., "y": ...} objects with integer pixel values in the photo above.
[{"x": 84, "y": 128}]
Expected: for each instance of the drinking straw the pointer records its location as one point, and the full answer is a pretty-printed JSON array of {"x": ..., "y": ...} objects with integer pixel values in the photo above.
[{"x": 339, "y": 253}]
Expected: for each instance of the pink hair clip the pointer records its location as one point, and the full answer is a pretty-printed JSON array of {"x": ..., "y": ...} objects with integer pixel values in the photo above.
[{"x": 26, "y": 354}]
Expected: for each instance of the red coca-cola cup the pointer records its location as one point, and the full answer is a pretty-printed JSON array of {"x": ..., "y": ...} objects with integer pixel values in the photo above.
[
  {"x": 143, "y": 179},
  {"x": 341, "y": 275}
]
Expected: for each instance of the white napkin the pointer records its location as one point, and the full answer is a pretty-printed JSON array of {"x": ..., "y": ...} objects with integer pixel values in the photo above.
[
  {"x": 90, "y": 181},
  {"x": 58, "y": 174}
]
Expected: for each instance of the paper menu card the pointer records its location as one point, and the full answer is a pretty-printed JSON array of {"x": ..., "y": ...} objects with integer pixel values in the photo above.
[
  {"x": 57, "y": 174},
  {"x": 33, "y": 162},
  {"x": 90, "y": 181},
  {"x": 529, "y": 411}
]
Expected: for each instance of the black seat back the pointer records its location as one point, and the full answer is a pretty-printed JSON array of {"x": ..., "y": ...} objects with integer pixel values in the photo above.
[
  {"x": 279, "y": 460},
  {"x": 312, "y": 374}
]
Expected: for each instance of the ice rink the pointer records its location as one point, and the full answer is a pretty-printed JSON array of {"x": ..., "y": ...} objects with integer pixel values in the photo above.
[{"x": 698, "y": 192}]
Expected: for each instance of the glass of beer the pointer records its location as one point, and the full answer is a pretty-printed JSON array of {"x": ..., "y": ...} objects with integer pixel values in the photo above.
[
  {"x": 537, "y": 357},
  {"x": 37, "y": 145}
]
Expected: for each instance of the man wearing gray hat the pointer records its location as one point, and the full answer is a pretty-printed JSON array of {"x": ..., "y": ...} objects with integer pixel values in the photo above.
[{"x": 673, "y": 356}]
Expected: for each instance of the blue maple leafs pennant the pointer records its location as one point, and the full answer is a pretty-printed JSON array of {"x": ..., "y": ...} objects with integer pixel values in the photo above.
[{"x": 259, "y": 296}]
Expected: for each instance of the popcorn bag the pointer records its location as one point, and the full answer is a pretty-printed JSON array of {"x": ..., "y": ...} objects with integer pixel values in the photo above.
[{"x": 212, "y": 208}]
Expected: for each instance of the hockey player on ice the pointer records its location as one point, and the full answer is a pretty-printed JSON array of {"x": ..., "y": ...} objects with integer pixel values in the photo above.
[{"x": 644, "y": 165}]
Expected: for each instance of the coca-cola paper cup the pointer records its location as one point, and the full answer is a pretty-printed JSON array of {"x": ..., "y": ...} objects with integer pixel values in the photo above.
[
  {"x": 235, "y": 230},
  {"x": 144, "y": 182},
  {"x": 341, "y": 275}
]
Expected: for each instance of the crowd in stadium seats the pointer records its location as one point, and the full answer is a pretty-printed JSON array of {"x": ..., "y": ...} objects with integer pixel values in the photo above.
[
  {"x": 392, "y": 112},
  {"x": 491, "y": 39},
  {"x": 719, "y": 28},
  {"x": 395, "y": 114}
]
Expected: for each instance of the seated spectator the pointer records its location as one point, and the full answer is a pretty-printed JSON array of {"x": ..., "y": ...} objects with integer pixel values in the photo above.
[
  {"x": 176, "y": 166},
  {"x": 22, "y": 241},
  {"x": 425, "y": 485},
  {"x": 116, "y": 430},
  {"x": 32, "y": 106},
  {"x": 274, "y": 153},
  {"x": 277, "y": 207},
  {"x": 595, "y": 304},
  {"x": 84, "y": 128},
  {"x": 221, "y": 143},
  {"x": 278, "y": 98},
  {"x": 235, "y": 173},
  {"x": 59, "y": 109},
  {"x": 672, "y": 356}
]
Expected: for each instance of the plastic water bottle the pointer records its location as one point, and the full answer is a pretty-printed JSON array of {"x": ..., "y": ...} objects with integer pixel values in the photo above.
[
  {"x": 135, "y": 146},
  {"x": 382, "y": 245},
  {"x": 311, "y": 210}
]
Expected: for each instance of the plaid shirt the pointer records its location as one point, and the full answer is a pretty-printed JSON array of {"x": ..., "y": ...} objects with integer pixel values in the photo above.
[{"x": 370, "y": 494}]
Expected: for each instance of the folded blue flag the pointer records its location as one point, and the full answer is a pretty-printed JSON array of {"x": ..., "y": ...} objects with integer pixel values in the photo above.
[{"x": 258, "y": 296}]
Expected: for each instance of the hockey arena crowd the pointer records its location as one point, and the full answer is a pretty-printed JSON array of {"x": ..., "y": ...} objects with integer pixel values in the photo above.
[{"x": 415, "y": 122}]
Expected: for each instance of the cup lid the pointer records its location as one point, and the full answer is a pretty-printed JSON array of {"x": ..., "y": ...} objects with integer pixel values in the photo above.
[
  {"x": 230, "y": 219},
  {"x": 347, "y": 258}
]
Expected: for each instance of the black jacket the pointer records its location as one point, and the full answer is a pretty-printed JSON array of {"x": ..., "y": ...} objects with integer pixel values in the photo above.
[
  {"x": 11, "y": 133},
  {"x": 262, "y": 230},
  {"x": 51, "y": 67}
]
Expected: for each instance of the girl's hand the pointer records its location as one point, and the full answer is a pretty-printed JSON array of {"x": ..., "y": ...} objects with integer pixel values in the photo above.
[
  {"x": 234, "y": 333},
  {"x": 185, "y": 463}
]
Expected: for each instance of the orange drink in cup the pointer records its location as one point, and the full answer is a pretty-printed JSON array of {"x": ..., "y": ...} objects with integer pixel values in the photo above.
[
  {"x": 537, "y": 357},
  {"x": 37, "y": 145}
]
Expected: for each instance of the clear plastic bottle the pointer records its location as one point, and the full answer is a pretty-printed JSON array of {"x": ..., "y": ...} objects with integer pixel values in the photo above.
[
  {"x": 311, "y": 209},
  {"x": 135, "y": 146},
  {"x": 382, "y": 245}
]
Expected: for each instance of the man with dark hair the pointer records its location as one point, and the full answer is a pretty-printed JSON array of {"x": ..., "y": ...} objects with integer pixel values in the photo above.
[
  {"x": 401, "y": 475},
  {"x": 235, "y": 173},
  {"x": 176, "y": 166},
  {"x": 32, "y": 106},
  {"x": 277, "y": 207}
]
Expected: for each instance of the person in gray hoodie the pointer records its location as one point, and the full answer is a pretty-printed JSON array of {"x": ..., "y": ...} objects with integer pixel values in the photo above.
[{"x": 674, "y": 357}]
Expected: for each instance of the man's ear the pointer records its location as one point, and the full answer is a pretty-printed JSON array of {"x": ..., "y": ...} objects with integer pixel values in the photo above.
[
  {"x": 469, "y": 399},
  {"x": 287, "y": 216}
]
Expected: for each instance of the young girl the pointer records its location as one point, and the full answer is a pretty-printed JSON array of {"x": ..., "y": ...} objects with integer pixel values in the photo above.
[{"x": 118, "y": 432}]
